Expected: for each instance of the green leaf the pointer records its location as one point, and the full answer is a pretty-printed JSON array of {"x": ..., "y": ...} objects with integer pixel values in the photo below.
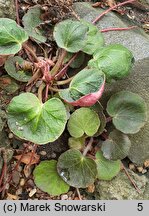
[
  {"x": 70, "y": 35},
  {"x": 48, "y": 180},
  {"x": 76, "y": 143},
  {"x": 83, "y": 121},
  {"x": 76, "y": 170},
  {"x": 31, "y": 120},
  {"x": 114, "y": 60},
  {"x": 99, "y": 110},
  {"x": 85, "y": 88},
  {"x": 10, "y": 67},
  {"x": 117, "y": 146},
  {"x": 8, "y": 85},
  {"x": 86, "y": 82},
  {"x": 95, "y": 39},
  {"x": 106, "y": 169},
  {"x": 31, "y": 21},
  {"x": 77, "y": 62},
  {"x": 12, "y": 37},
  {"x": 128, "y": 110}
]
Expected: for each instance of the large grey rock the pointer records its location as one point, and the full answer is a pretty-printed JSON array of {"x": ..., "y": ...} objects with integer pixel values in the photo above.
[
  {"x": 136, "y": 40},
  {"x": 120, "y": 188},
  {"x": 7, "y": 9},
  {"x": 138, "y": 82}
]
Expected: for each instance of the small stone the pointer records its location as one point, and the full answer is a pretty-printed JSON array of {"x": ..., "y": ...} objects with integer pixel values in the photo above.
[
  {"x": 22, "y": 182},
  {"x": 16, "y": 177},
  {"x": 32, "y": 192},
  {"x": 12, "y": 197},
  {"x": 140, "y": 169},
  {"x": 144, "y": 171},
  {"x": 146, "y": 163},
  {"x": 131, "y": 166},
  {"x": 10, "y": 135},
  {"x": 19, "y": 191},
  {"x": 43, "y": 153},
  {"x": 64, "y": 197},
  {"x": 30, "y": 183},
  {"x": 53, "y": 155},
  {"x": 91, "y": 188}
]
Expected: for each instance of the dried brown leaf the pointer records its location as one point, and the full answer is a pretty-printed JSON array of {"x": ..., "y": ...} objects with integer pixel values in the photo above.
[{"x": 28, "y": 158}]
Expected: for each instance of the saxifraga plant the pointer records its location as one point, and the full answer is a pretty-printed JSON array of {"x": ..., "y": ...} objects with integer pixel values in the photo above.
[{"x": 41, "y": 118}]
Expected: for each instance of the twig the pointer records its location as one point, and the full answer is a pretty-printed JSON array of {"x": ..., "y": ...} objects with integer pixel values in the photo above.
[
  {"x": 63, "y": 82},
  {"x": 62, "y": 72},
  {"x": 34, "y": 77},
  {"x": 91, "y": 156},
  {"x": 47, "y": 91},
  {"x": 26, "y": 47},
  {"x": 33, "y": 152},
  {"x": 15, "y": 168},
  {"x": 4, "y": 169},
  {"x": 118, "y": 29},
  {"x": 109, "y": 119},
  {"x": 88, "y": 147},
  {"x": 40, "y": 90},
  {"x": 54, "y": 89},
  {"x": 78, "y": 192},
  {"x": 17, "y": 12},
  {"x": 110, "y": 9},
  {"x": 131, "y": 180},
  {"x": 59, "y": 62}
]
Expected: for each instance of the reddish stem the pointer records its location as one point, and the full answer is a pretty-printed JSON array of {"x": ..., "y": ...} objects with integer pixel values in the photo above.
[
  {"x": 15, "y": 168},
  {"x": 88, "y": 147},
  {"x": 110, "y": 9},
  {"x": 104, "y": 135},
  {"x": 109, "y": 119},
  {"x": 47, "y": 91},
  {"x": 131, "y": 180},
  {"x": 118, "y": 29},
  {"x": 64, "y": 69},
  {"x": 33, "y": 152},
  {"x": 3, "y": 172}
]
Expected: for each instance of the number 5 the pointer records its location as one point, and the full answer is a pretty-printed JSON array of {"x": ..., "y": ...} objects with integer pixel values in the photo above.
[{"x": 140, "y": 207}]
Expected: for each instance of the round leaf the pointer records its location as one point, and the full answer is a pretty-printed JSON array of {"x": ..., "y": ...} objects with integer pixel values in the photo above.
[
  {"x": 12, "y": 37},
  {"x": 70, "y": 35},
  {"x": 117, "y": 146},
  {"x": 76, "y": 143},
  {"x": 76, "y": 170},
  {"x": 99, "y": 110},
  {"x": 10, "y": 67},
  {"x": 114, "y": 60},
  {"x": 95, "y": 39},
  {"x": 48, "y": 180},
  {"x": 128, "y": 110},
  {"x": 31, "y": 21},
  {"x": 83, "y": 121},
  {"x": 77, "y": 62},
  {"x": 85, "y": 88},
  {"x": 31, "y": 120},
  {"x": 106, "y": 169}
]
